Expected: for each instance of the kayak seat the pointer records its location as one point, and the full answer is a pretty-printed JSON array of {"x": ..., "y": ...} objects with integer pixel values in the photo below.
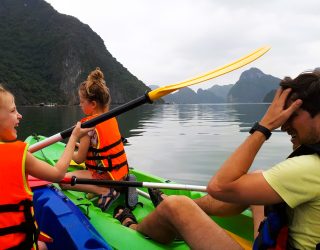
[{"x": 131, "y": 193}]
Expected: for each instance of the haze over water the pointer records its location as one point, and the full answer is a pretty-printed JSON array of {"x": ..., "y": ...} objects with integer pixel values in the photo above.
[{"x": 184, "y": 143}]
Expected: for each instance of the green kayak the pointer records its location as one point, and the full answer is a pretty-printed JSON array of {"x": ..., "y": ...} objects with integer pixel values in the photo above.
[{"x": 119, "y": 237}]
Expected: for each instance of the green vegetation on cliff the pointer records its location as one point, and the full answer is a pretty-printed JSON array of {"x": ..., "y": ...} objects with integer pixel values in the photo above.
[{"x": 45, "y": 55}]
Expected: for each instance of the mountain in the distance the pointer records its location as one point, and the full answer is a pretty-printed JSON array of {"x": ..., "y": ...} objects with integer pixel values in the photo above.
[
  {"x": 221, "y": 90},
  {"x": 183, "y": 96},
  {"x": 45, "y": 55},
  {"x": 252, "y": 87},
  {"x": 269, "y": 96},
  {"x": 207, "y": 96},
  {"x": 189, "y": 96}
]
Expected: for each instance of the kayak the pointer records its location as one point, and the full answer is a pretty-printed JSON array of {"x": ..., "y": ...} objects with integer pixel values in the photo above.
[
  {"x": 240, "y": 227},
  {"x": 63, "y": 221}
]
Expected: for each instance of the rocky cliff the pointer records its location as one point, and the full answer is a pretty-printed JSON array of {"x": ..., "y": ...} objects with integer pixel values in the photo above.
[
  {"x": 252, "y": 87},
  {"x": 45, "y": 55}
]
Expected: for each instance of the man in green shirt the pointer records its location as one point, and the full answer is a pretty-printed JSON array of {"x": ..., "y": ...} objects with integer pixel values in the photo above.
[{"x": 295, "y": 181}]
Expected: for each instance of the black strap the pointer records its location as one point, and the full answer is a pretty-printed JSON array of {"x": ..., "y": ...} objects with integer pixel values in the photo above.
[
  {"x": 28, "y": 226},
  {"x": 21, "y": 206},
  {"x": 106, "y": 148},
  {"x": 306, "y": 150},
  {"x": 10, "y": 208},
  {"x": 107, "y": 169},
  {"x": 101, "y": 157},
  {"x": 13, "y": 229}
]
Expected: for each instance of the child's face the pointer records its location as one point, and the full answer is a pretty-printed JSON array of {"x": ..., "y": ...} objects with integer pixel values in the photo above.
[
  {"x": 9, "y": 118},
  {"x": 86, "y": 106}
]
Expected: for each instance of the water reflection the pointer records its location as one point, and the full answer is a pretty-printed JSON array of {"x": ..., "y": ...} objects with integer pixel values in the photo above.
[
  {"x": 50, "y": 120},
  {"x": 247, "y": 114},
  {"x": 133, "y": 122},
  {"x": 185, "y": 143},
  {"x": 47, "y": 120}
]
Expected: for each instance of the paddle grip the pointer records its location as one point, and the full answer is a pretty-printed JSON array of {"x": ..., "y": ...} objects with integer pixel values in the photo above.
[{"x": 112, "y": 113}]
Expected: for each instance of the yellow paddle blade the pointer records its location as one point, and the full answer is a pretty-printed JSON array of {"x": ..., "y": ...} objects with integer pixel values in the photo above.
[
  {"x": 247, "y": 245},
  {"x": 165, "y": 90}
]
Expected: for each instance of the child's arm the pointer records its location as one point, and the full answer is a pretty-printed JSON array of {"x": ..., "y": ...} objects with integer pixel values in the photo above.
[
  {"x": 80, "y": 155},
  {"x": 44, "y": 171}
]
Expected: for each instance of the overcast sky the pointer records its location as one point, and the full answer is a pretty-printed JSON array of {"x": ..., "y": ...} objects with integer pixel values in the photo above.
[{"x": 168, "y": 41}]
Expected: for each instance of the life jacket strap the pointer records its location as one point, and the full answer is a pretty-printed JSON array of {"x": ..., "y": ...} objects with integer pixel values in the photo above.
[
  {"x": 13, "y": 229},
  {"x": 107, "y": 169},
  {"x": 106, "y": 148},
  {"x": 9, "y": 208},
  {"x": 100, "y": 157},
  {"x": 28, "y": 226}
]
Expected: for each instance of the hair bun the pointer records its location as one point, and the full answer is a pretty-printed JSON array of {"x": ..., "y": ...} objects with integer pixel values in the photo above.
[{"x": 96, "y": 75}]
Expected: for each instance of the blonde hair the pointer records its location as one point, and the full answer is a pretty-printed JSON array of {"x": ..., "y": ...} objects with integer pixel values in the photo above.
[
  {"x": 95, "y": 89},
  {"x": 3, "y": 93}
]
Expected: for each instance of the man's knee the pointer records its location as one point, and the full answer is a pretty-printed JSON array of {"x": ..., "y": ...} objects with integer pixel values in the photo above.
[{"x": 174, "y": 204}]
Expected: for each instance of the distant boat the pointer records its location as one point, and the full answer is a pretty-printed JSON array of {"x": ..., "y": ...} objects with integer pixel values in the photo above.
[{"x": 50, "y": 104}]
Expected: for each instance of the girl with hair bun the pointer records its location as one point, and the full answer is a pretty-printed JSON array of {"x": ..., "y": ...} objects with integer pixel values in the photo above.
[{"x": 102, "y": 150}]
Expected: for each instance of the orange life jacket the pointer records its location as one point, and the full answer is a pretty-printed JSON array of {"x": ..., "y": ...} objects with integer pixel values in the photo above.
[
  {"x": 18, "y": 229},
  {"x": 106, "y": 152}
]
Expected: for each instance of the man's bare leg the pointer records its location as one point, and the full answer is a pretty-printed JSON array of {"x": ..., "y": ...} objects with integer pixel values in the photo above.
[
  {"x": 181, "y": 214},
  {"x": 258, "y": 217}
]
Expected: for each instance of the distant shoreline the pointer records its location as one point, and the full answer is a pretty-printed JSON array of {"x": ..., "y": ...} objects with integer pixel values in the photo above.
[{"x": 118, "y": 104}]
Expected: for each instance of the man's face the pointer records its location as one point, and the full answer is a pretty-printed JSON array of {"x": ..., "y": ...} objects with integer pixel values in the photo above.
[{"x": 302, "y": 128}]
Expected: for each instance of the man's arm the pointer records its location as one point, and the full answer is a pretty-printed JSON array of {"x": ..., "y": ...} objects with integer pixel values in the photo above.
[{"x": 232, "y": 183}]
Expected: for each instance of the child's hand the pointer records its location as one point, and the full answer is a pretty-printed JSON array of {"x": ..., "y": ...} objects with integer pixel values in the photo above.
[{"x": 79, "y": 132}]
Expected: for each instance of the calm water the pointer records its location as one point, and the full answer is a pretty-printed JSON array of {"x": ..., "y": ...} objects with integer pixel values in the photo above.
[{"x": 184, "y": 143}]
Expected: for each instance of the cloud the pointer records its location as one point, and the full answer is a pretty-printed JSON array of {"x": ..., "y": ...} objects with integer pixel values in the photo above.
[{"x": 163, "y": 42}]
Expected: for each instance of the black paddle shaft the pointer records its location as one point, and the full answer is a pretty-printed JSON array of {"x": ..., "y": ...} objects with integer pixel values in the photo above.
[
  {"x": 111, "y": 183},
  {"x": 112, "y": 113}
]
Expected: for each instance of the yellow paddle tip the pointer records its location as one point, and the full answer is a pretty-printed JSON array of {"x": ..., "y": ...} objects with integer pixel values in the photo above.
[
  {"x": 165, "y": 90},
  {"x": 247, "y": 245}
]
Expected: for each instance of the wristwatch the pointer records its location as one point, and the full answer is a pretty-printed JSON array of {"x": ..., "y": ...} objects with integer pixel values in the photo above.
[{"x": 257, "y": 127}]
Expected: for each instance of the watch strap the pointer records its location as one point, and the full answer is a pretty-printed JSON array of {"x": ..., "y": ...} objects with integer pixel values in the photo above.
[{"x": 258, "y": 127}]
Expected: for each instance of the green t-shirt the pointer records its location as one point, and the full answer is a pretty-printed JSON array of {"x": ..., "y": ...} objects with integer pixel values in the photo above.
[{"x": 297, "y": 181}]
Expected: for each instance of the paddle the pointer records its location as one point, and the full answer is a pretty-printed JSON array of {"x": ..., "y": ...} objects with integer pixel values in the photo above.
[
  {"x": 34, "y": 182},
  {"x": 153, "y": 95},
  {"x": 74, "y": 180}
]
